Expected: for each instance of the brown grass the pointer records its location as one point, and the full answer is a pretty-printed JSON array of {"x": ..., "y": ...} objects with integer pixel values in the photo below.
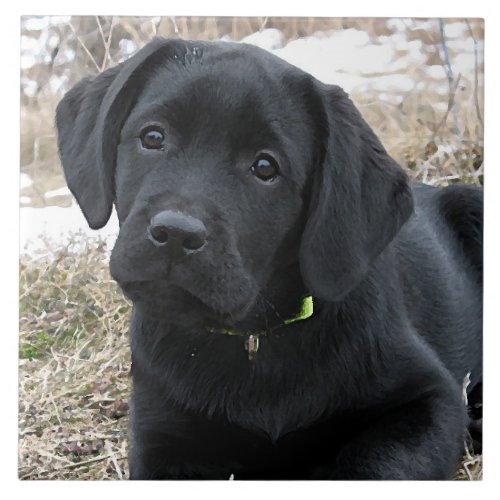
[
  {"x": 418, "y": 135},
  {"x": 74, "y": 369}
]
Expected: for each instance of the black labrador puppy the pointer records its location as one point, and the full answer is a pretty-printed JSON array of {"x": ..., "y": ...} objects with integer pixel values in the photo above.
[{"x": 300, "y": 310}]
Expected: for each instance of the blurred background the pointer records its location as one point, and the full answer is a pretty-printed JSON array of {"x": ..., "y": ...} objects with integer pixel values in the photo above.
[{"x": 419, "y": 84}]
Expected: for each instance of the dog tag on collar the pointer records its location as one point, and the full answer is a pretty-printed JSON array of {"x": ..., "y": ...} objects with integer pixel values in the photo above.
[{"x": 252, "y": 346}]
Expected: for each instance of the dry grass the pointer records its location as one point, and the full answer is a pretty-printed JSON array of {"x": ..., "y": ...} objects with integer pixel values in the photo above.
[
  {"x": 74, "y": 369},
  {"x": 414, "y": 127},
  {"x": 471, "y": 468}
]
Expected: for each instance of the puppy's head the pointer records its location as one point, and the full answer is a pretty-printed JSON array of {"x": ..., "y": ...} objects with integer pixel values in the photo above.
[{"x": 237, "y": 178}]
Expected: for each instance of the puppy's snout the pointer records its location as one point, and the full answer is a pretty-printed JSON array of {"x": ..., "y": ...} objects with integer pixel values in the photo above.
[{"x": 177, "y": 232}]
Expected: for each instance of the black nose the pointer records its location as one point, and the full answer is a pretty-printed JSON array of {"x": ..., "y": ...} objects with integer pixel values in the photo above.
[{"x": 177, "y": 231}]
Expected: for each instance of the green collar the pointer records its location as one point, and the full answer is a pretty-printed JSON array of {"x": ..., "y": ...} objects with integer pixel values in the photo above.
[{"x": 252, "y": 341}]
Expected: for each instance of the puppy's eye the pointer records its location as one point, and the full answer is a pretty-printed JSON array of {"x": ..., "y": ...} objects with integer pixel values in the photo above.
[
  {"x": 265, "y": 168},
  {"x": 153, "y": 138}
]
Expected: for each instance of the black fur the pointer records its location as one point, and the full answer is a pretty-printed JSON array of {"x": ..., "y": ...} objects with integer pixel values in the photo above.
[{"x": 369, "y": 387}]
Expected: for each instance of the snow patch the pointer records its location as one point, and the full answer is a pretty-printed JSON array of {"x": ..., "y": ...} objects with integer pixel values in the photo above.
[
  {"x": 268, "y": 39},
  {"x": 57, "y": 192},
  {"x": 25, "y": 180},
  {"x": 58, "y": 225},
  {"x": 344, "y": 51},
  {"x": 343, "y": 57},
  {"x": 436, "y": 71},
  {"x": 454, "y": 30}
]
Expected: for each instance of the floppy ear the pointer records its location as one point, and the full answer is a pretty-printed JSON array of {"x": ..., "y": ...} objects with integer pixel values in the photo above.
[
  {"x": 89, "y": 119},
  {"x": 360, "y": 199}
]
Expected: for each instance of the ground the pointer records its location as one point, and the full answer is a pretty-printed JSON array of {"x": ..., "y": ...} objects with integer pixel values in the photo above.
[{"x": 74, "y": 375}]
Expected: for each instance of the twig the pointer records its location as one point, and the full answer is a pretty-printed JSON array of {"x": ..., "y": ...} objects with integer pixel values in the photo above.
[
  {"x": 113, "y": 459},
  {"x": 451, "y": 102},
  {"x": 55, "y": 409},
  {"x": 156, "y": 26},
  {"x": 437, "y": 180},
  {"x": 107, "y": 43},
  {"x": 471, "y": 460},
  {"x": 176, "y": 27},
  {"x": 69, "y": 465},
  {"x": 476, "y": 79},
  {"x": 47, "y": 454},
  {"x": 100, "y": 30},
  {"x": 91, "y": 461},
  {"x": 84, "y": 46},
  {"x": 466, "y": 469},
  {"x": 449, "y": 72},
  {"x": 136, "y": 37}
]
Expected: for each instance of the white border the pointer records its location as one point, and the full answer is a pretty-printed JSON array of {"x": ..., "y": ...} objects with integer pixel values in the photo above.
[{"x": 10, "y": 23}]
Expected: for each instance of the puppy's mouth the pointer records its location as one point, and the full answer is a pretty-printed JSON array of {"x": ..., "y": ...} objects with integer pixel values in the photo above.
[{"x": 180, "y": 305}]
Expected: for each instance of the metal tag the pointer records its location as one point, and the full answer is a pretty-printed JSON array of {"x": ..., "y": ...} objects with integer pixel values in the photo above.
[{"x": 252, "y": 346}]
